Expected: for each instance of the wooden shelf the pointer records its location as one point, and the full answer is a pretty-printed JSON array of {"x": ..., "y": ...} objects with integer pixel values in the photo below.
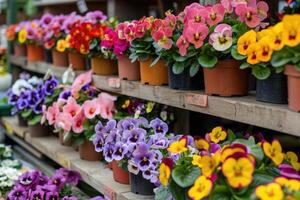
[
  {"x": 96, "y": 174},
  {"x": 241, "y": 109},
  {"x": 54, "y": 2}
]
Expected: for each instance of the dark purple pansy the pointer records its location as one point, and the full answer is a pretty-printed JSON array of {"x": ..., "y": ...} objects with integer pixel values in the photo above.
[
  {"x": 53, "y": 195},
  {"x": 17, "y": 193},
  {"x": 50, "y": 85},
  {"x": 29, "y": 180},
  {"x": 37, "y": 194},
  {"x": 12, "y": 99},
  {"x": 71, "y": 176},
  {"x": 65, "y": 95},
  {"x": 288, "y": 172},
  {"x": 58, "y": 180},
  {"x": 38, "y": 108},
  {"x": 22, "y": 104}
]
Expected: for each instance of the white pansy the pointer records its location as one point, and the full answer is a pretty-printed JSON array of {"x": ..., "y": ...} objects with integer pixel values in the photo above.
[
  {"x": 21, "y": 86},
  {"x": 35, "y": 80}
]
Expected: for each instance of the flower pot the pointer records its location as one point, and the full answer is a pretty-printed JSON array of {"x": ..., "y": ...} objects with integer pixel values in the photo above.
[
  {"x": 35, "y": 53},
  {"x": 119, "y": 174},
  {"x": 87, "y": 152},
  {"x": 110, "y": 165},
  {"x": 39, "y": 130},
  {"x": 226, "y": 79},
  {"x": 102, "y": 66},
  {"x": 22, "y": 121},
  {"x": 141, "y": 186},
  {"x": 128, "y": 70},
  {"x": 19, "y": 49},
  {"x": 48, "y": 55},
  {"x": 60, "y": 59},
  {"x": 273, "y": 89},
  {"x": 293, "y": 87},
  {"x": 155, "y": 75},
  {"x": 77, "y": 60},
  {"x": 5, "y": 81},
  {"x": 183, "y": 81}
]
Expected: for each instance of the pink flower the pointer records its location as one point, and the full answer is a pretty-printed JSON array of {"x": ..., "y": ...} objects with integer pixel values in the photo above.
[
  {"x": 193, "y": 5},
  {"x": 227, "y": 5},
  {"x": 142, "y": 26},
  {"x": 129, "y": 32},
  {"x": 72, "y": 107},
  {"x": 162, "y": 39},
  {"x": 182, "y": 44},
  {"x": 215, "y": 14},
  {"x": 80, "y": 81},
  {"x": 262, "y": 9},
  {"x": 64, "y": 121},
  {"x": 106, "y": 102},
  {"x": 77, "y": 124},
  {"x": 221, "y": 38},
  {"x": 91, "y": 108},
  {"x": 52, "y": 113},
  {"x": 196, "y": 15},
  {"x": 109, "y": 37},
  {"x": 248, "y": 15},
  {"x": 251, "y": 3},
  {"x": 196, "y": 33},
  {"x": 121, "y": 30}
]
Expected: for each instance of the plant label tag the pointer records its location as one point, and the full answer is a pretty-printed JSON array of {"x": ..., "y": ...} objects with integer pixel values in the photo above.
[
  {"x": 109, "y": 193},
  {"x": 114, "y": 82},
  {"x": 82, "y": 7},
  {"x": 200, "y": 100}
]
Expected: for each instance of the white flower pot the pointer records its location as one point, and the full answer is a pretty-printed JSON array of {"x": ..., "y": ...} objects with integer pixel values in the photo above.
[{"x": 5, "y": 81}]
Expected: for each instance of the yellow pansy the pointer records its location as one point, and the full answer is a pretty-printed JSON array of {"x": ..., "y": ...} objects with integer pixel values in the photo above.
[
  {"x": 263, "y": 33},
  {"x": 292, "y": 158},
  {"x": 266, "y": 49},
  {"x": 61, "y": 45},
  {"x": 290, "y": 184},
  {"x": 218, "y": 134},
  {"x": 238, "y": 172},
  {"x": 291, "y": 30},
  {"x": 149, "y": 107},
  {"x": 22, "y": 36},
  {"x": 245, "y": 41},
  {"x": 178, "y": 147},
  {"x": 164, "y": 174},
  {"x": 197, "y": 161},
  {"x": 201, "y": 144},
  {"x": 126, "y": 104},
  {"x": 201, "y": 188},
  {"x": 271, "y": 191},
  {"x": 208, "y": 165},
  {"x": 252, "y": 57},
  {"x": 228, "y": 151},
  {"x": 274, "y": 152},
  {"x": 277, "y": 36}
]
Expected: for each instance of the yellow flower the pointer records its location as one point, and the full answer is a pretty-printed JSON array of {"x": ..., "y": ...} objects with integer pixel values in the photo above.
[
  {"x": 238, "y": 172},
  {"x": 201, "y": 144},
  {"x": 274, "y": 152},
  {"x": 22, "y": 36},
  {"x": 218, "y": 134},
  {"x": 291, "y": 25},
  {"x": 245, "y": 41},
  {"x": 290, "y": 184},
  {"x": 201, "y": 188},
  {"x": 277, "y": 36},
  {"x": 126, "y": 104},
  {"x": 178, "y": 147},
  {"x": 197, "y": 161},
  {"x": 252, "y": 57},
  {"x": 164, "y": 174},
  {"x": 61, "y": 45},
  {"x": 150, "y": 106},
  {"x": 266, "y": 49},
  {"x": 292, "y": 158},
  {"x": 271, "y": 191},
  {"x": 263, "y": 33},
  {"x": 208, "y": 165},
  {"x": 228, "y": 151}
]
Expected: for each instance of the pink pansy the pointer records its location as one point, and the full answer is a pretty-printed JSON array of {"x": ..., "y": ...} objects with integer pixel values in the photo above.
[
  {"x": 251, "y": 3},
  {"x": 121, "y": 30},
  {"x": 77, "y": 124},
  {"x": 215, "y": 14},
  {"x": 262, "y": 9},
  {"x": 129, "y": 32},
  {"x": 162, "y": 39},
  {"x": 72, "y": 107},
  {"x": 227, "y": 5},
  {"x": 193, "y": 5},
  {"x": 182, "y": 44},
  {"x": 106, "y": 103},
  {"x": 248, "y": 15},
  {"x": 170, "y": 21},
  {"x": 64, "y": 121},
  {"x": 196, "y": 15},
  {"x": 195, "y": 33},
  {"x": 52, "y": 113},
  {"x": 80, "y": 81},
  {"x": 221, "y": 39},
  {"x": 91, "y": 108}
]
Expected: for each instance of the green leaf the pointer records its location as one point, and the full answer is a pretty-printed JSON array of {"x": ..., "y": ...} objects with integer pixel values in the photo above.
[
  {"x": 162, "y": 193},
  {"x": 194, "y": 70},
  {"x": 254, "y": 149},
  {"x": 178, "y": 67},
  {"x": 154, "y": 62},
  {"x": 279, "y": 70},
  {"x": 261, "y": 179},
  {"x": 261, "y": 72},
  {"x": 220, "y": 192},
  {"x": 35, "y": 120},
  {"x": 178, "y": 192},
  {"x": 179, "y": 58},
  {"x": 93, "y": 44},
  {"x": 231, "y": 135},
  {"x": 25, "y": 114},
  {"x": 133, "y": 57},
  {"x": 281, "y": 58},
  {"x": 245, "y": 65},
  {"x": 208, "y": 61},
  {"x": 236, "y": 55},
  {"x": 185, "y": 177}
]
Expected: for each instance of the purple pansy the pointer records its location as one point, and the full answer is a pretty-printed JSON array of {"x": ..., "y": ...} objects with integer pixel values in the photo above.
[
  {"x": 46, "y": 19},
  {"x": 288, "y": 172},
  {"x": 142, "y": 156},
  {"x": 58, "y": 180},
  {"x": 37, "y": 194},
  {"x": 38, "y": 108},
  {"x": 134, "y": 135},
  {"x": 119, "y": 151},
  {"x": 65, "y": 95},
  {"x": 151, "y": 174},
  {"x": 132, "y": 167},
  {"x": 99, "y": 142},
  {"x": 108, "y": 151},
  {"x": 18, "y": 193},
  {"x": 29, "y": 180},
  {"x": 50, "y": 85},
  {"x": 53, "y": 195},
  {"x": 71, "y": 176}
]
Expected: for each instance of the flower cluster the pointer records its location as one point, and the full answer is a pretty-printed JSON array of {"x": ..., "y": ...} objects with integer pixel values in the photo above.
[
  {"x": 35, "y": 185},
  {"x": 222, "y": 163}
]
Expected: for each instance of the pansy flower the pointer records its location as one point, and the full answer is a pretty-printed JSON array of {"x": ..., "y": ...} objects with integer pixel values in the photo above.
[
  {"x": 215, "y": 14},
  {"x": 221, "y": 38},
  {"x": 274, "y": 151},
  {"x": 159, "y": 126},
  {"x": 178, "y": 147},
  {"x": 143, "y": 157},
  {"x": 165, "y": 170},
  {"x": 292, "y": 158},
  {"x": 218, "y": 134},
  {"x": 271, "y": 191},
  {"x": 201, "y": 188}
]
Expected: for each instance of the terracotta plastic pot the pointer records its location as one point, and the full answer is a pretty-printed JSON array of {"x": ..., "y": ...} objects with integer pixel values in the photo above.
[
  {"x": 226, "y": 79},
  {"x": 60, "y": 59},
  {"x": 103, "y": 66},
  {"x": 128, "y": 70},
  {"x": 293, "y": 87},
  {"x": 39, "y": 130},
  {"x": 87, "y": 152},
  {"x": 119, "y": 174},
  {"x": 141, "y": 186},
  {"x": 77, "y": 60},
  {"x": 109, "y": 165},
  {"x": 35, "y": 53},
  {"x": 155, "y": 75},
  {"x": 19, "y": 49},
  {"x": 22, "y": 121}
]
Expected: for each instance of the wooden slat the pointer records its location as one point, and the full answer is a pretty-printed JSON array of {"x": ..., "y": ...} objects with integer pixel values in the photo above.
[
  {"x": 241, "y": 109},
  {"x": 12, "y": 126}
]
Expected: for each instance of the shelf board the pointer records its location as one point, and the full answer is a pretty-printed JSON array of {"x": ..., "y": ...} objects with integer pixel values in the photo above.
[
  {"x": 96, "y": 174},
  {"x": 56, "y": 2},
  {"x": 241, "y": 109}
]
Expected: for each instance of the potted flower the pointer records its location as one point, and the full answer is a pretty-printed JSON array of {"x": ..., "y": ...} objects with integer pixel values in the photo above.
[
  {"x": 12, "y": 36},
  {"x": 288, "y": 57},
  {"x": 142, "y": 49}
]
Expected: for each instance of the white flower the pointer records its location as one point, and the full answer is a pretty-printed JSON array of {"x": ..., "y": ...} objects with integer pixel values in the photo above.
[
  {"x": 35, "y": 81},
  {"x": 68, "y": 76},
  {"x": 21, "y": 86}
]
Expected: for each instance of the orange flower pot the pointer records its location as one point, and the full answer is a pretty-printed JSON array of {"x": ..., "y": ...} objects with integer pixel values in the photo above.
[
  {"x": 87, "y": 152},
  {"x": 35, "y": 53},
  {"x": 293, "y": 87},
  {"x": 119, "y": 174},
  {"x": 19, "y": 49},
  {"x": 102, "y": 66},
  {"x": 128, "y": 70},
  {"x": 155, "y": 75},
  {"x": 60, "y": 59},
  {"x": 226, "y": 79},
  {"x": 76, "y": 60}
]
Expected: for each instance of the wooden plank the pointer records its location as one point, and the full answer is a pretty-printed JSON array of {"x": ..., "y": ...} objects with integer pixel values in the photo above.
[{"x": 11, "y": 124}]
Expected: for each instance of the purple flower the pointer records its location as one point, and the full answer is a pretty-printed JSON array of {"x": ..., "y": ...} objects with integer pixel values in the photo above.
[
  {"x": 50, "y": 86},
  {"x": 53, "y": 195},
  {"x": 71, "y": 176},
  {"x": 159, "y": 141},
  {"x": 46, "y": 19},
  {"x": 69, "y": 198},
  {"x": 43, "y": 180},
  {"x": 18, "y": 193},
  {"x": 34, "y": 98},
  {"x": 95, "y": 16},
  {"x": 65, "y": 95},
  {"x": 58, "y": 180},
  {"x": 99, "y": 127},
  {"x": 22, "y": 104},
  {"x": 38, "y": 108},
  {"x": 128, "y": 124},
  {"x": 288, "y": 172},
  {"x": 37, "y": 194},
  {"x": 214, "y": 147},
  {"x": 110, "y": 125},
  {"x": 119, "y": 151},
  {"x": 24, "y": 75},
  {"x": 99, "y": 142},
  {"x": 132, "y": 167},
  {"x": 99, "y": 198},
  {"x": 143, "y": 157},
  {"x": 12, "y": 99},
  {"x": 151, "y": 174},
  {"x": 134, "y": 135},
  {"x": 108, "y": 151},
  {"x": 29, "y": 180}
]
